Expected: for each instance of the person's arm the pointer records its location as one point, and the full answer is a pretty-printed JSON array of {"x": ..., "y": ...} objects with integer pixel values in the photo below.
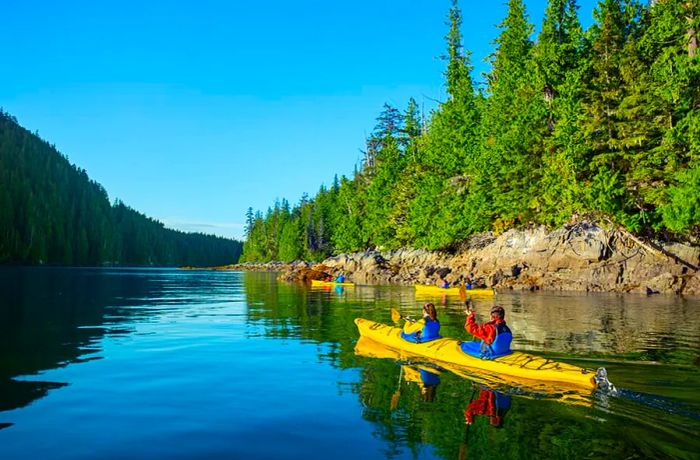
[
  {"x": 487, "y": 332},
  {"x": 411, "y": 327},
  {"x": 476, "y": 407}
]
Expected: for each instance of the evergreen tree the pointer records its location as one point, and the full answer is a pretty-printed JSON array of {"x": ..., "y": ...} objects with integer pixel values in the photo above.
[
  {"x": 609, "y": 110},
  {"x": 559, "y": 56},
  {"x": 442, "y": 207},
  {"x": 511, "y": 127}
]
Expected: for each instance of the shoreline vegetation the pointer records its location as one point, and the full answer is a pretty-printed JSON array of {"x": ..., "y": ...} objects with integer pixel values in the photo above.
[
  {"x": 584, "y": 257},
  {"x": 592, "y": 133}
]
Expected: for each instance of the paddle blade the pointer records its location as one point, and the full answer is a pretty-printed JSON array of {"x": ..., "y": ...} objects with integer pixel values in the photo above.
[
  {"x": 395, "y": 315},
  {"x": 462, "y": 292},
  {"x": 395, "y": 399},
  {"x": 470, "y": 304}
]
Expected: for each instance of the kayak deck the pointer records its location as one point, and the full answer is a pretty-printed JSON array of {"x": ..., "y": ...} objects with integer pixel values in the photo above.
[
  {"x": 436, "y": 290},
  {"x": 330, "y": 283},
  {"x": 517, "y": 364}
]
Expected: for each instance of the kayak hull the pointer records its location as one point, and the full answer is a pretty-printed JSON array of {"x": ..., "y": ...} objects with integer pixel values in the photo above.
[
  {"x": 516, "y": 365},
  {"x": 329, "y": 283},
  {"x": 423, "y": 289}
]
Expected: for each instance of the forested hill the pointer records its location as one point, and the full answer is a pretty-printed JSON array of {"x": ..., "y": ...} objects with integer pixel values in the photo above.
[
  {"x": 600, "y": 124},
  {"x": 52, "y": 213}
]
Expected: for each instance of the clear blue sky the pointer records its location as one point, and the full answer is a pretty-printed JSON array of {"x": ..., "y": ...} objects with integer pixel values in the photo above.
[{"x": 191, "y": 112}]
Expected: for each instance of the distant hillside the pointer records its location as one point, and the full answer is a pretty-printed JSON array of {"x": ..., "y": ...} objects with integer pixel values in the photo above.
[{"x": 51, "y": 212}]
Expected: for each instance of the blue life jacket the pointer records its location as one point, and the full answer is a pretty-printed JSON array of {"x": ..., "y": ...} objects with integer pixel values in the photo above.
[
  {"x": 499, "y": 347},
  {"x": 502, "y": 402},
  {"x": 429, "y": 378},
  {"x": 431, "y": 331},
  {"x": 340, "y": 279}
]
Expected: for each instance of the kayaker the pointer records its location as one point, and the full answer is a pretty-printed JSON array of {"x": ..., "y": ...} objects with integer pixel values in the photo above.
[
  {"x": 443, "y": 283},
  {"x": 490, "y": 403},
  {"x": 468, "y": 281},
  {"x": 495, "y": 335},
  {"x": 340, "y": 278},
  {"x": 425, "y": 329}
]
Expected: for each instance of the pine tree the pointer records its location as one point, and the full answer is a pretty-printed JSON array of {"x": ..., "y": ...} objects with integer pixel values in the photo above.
[
  {"x": 611, "y": 114},
  {"x": 447, "y": 161},
  {"x": 511, "y": 125},
  {"x": 559, "y": 56}
]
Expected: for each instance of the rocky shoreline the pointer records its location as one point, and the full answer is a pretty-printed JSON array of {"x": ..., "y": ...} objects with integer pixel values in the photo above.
[{"x": 580, "y": 257}]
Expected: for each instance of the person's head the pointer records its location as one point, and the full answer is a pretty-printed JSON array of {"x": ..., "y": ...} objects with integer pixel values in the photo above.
[
  {"x": 429, "y": 309},
  {"x": 497, "y": 312}
]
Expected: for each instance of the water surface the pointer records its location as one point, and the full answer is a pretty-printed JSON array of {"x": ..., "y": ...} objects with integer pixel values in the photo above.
[{"x": 149, "y": 363}]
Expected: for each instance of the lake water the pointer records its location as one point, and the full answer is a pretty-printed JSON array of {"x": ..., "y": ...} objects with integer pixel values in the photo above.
[{"x": 151, "y": 363}]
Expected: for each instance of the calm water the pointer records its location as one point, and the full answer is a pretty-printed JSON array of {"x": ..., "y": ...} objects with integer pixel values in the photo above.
[{"x": 103, "y": 363}]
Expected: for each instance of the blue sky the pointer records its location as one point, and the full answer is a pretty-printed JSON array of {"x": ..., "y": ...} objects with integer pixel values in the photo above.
[{"x": 191, "y": 112}]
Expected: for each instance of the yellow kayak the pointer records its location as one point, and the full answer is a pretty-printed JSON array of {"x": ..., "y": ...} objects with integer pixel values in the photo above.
[
  {"x": 329, "y": 283},
  {"x": 447, "y": 353},
  {"x": 423, "y": 289},
  {"x": 565, "y": 393}
]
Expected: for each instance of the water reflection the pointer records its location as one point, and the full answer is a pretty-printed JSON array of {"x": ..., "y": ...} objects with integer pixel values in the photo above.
[
  {"x": 489, "y": 403},
  {"x": 53, "y": 317}
]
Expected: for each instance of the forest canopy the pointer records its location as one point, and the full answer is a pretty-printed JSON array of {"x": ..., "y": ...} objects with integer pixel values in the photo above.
[
  {"x": 51, "y": 212},
  {"x": 601, "y": 123}
]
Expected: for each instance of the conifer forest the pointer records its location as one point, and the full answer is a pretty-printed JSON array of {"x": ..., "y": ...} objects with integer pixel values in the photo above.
[{"x": 602, "y": 124}]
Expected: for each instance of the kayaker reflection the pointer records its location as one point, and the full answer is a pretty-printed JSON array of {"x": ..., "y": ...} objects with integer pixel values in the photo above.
[
  {"x": 495, "y": 335},
  {"x": 425, "y": 329},
  {"x": 491, "y": 404},
  {"x": 427, "y": 380}
]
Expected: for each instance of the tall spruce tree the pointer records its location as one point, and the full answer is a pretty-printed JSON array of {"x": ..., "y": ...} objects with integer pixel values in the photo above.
[
  {"x": 675, "y": 87},
  {"x": 560, "y": 60},
  {"x": 511, "y": 125},
  {"x": 442, "y": 209},
  {"x": 610, "y": 111}
]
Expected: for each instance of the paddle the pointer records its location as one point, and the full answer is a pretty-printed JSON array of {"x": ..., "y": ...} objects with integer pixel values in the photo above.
[
  {"x": 463, "y": 296},
  {"x": 395, "y": 397},
  {"x": 463, "y": 448},
  {"x": 396, "y": 316}
]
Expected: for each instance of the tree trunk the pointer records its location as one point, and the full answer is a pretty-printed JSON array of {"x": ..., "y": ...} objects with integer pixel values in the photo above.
[{"x": 692, "y": 35}]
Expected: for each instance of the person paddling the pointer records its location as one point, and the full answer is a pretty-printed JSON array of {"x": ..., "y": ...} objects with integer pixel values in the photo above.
[
  {"x": 425, "y": 329},
  {"x": 495, "y": 335}
]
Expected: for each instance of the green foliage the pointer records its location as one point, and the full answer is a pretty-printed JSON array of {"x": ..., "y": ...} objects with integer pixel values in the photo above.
[
  {"x": 604, "y": 121},
  {"x": 682, "y": 213},
  {"x": 52, "y": 213}
]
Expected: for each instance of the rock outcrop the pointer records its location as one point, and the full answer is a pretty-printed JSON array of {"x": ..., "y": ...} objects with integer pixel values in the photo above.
[{"x": 578, "y": 257}]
